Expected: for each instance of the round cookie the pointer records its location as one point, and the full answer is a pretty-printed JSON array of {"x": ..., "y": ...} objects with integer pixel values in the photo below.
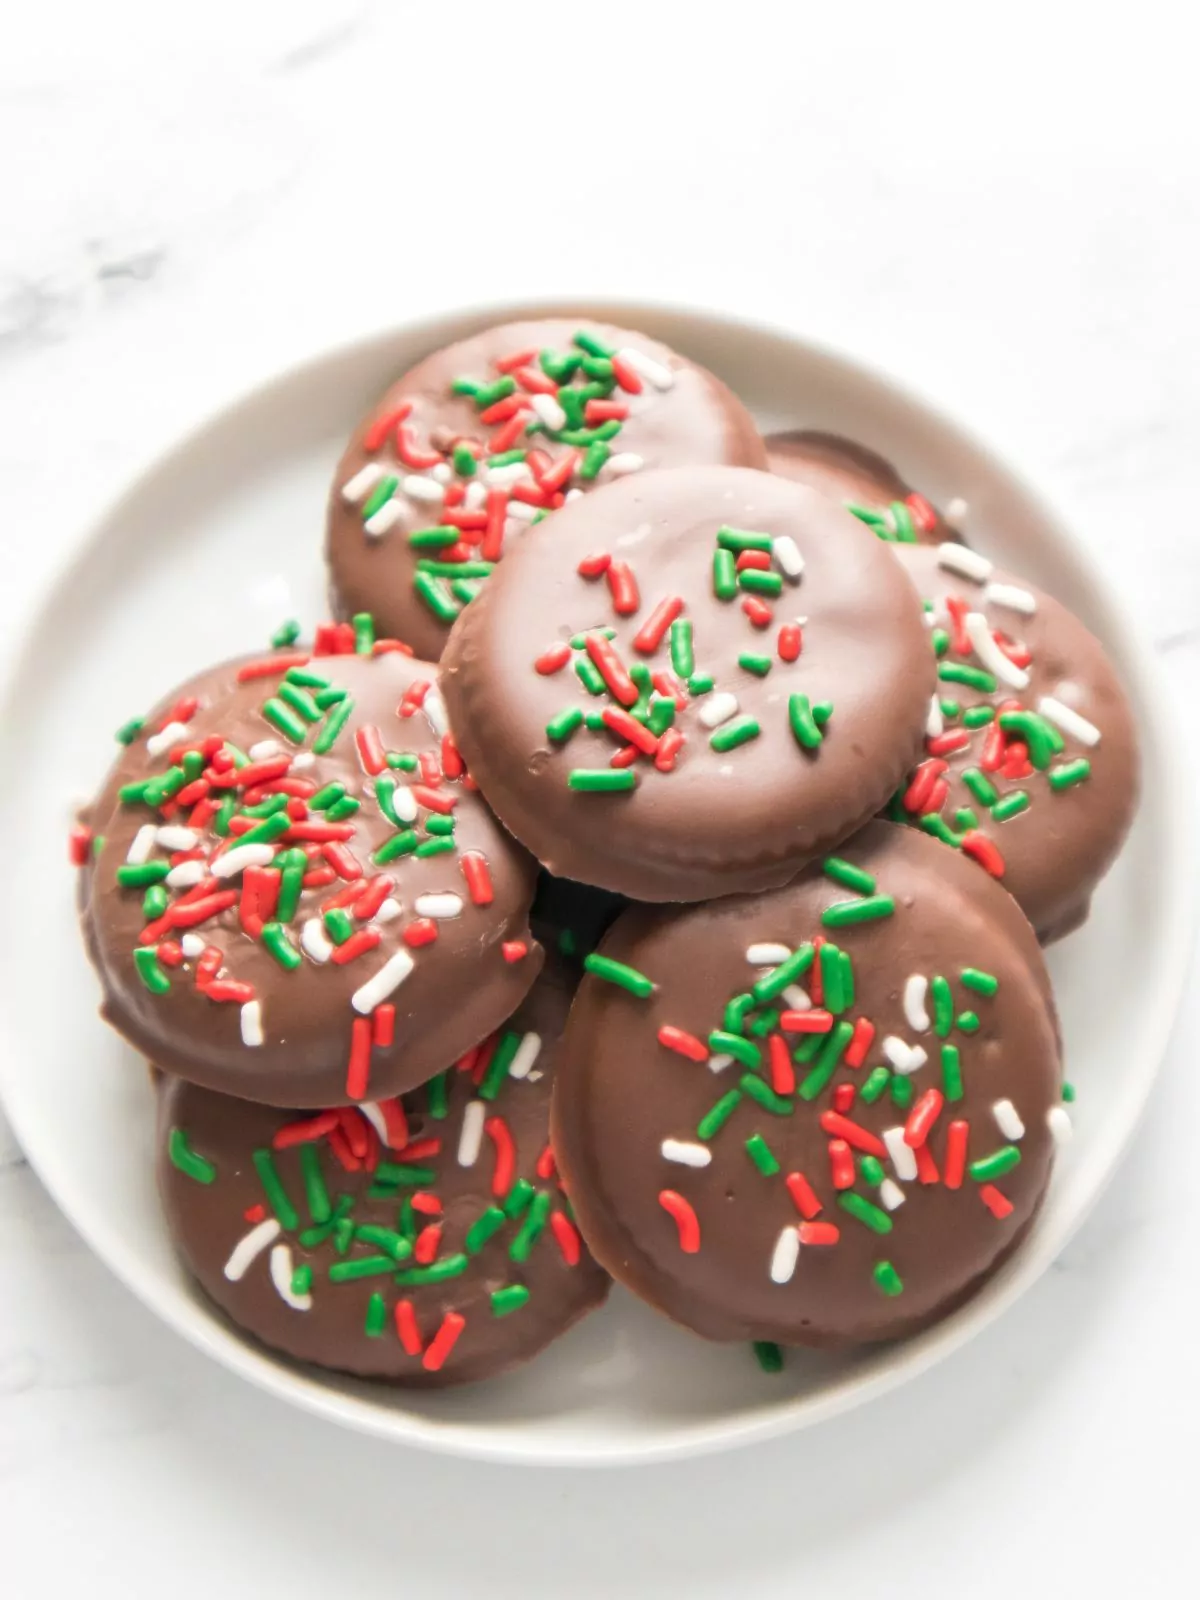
[
  {"x": 691, "y": 684},
  {"x": 421, "y": 1240},
  {"x": 830, "y": 1144},
  {"x": 858, "y": 478},
  {"x": 1031, "y": 758},
  {"x": 485, "y": 436},
  {"x": 338, "y": 916}
]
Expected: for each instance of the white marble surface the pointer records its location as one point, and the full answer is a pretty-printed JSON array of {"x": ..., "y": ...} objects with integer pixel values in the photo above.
[{"x": 1002, "y": 205}]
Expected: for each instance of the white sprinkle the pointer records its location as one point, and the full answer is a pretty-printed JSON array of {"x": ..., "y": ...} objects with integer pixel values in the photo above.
[
  {"x": 1008, "y": 1119},
  {"x": 302, "y": 759},
  {"x": 315, "y": 942},
  {"x": 281, "y": 1277},
  {"x": 427, "y": 490},
  {"x": 389, "y": 977},
  {"x": 173, "y": 837},
  {"x": 717, "y": 708},
  {"x": 192, "y": 945},
  {"x": 915, "y": 1013},
  {"x": 434, "y": 708},
  {"x": 443, "y": 472},
  {"x": 528, "y": 1051},
  {"x": 968, "y": 563},
  {"x": 404, "y": 803},
  {"x": 505, "y": 477},
  {"x": 891, "y": 1195},
  {"x": 388, "y": 911},
  {"x": 241, "y": 857},
  {"x": 787, "y": 557},
  {"x": 785, "y": 1255},
  {"x": 1069, "y": 720},
  {"x": 475, "y": 496},
  {"x": 252, "y": 1029},
  {"x": 1008, "y": 594},
  {"x": 360, "y": 485},
  {"x": 646, "y": 367},
  {"x": 141, "y": 845},
  {"x": 935, "y": 723},
  {"x": 438, "y": 906},
  {"x": 165, "y": 738},
  {"x": 718, "y": 1062},
  {"x": 797, "y": 997},
  {"x": 519, "y": 511},
  {"x": 1059, "y": 1123},
  {"x": 470, "y": 1136},
  {"x": 549, "y": 411},
  {"x": 250, "y": 1247},
  {"x": 574, "y": 494},
  {"x": 686, "y": 1153},
  {"x": 956, "y": 512},
  {"x": 903, "y": 1057},
  {"x": 622, "y": 464},
  {"x": 767, "y": 955},
  {"x": 903, "y": 1157},
  {"x": 385, "y": 519},
  {"x": 989, "y": 652},
  {"x": 265, "y": 749},
  {"x": 370, "y": 1110},
  {"x": 186, "y": 875}
]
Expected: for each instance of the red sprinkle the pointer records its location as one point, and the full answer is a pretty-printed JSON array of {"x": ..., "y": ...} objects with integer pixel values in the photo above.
[
  {"x": 945, "y": 744},
  {"x": 980, "y": 848},
  {"x": 478, "y": 878},
  {"x": 427, "y": 1205},
  {"x": 758, "y": 611},
  {"x": 256, "y": 1213},
  {"x": 383, "y": 1034},
  {"x": 79, "y": 844},
  {"x": 916, "y": 796},
  {"x": 783, "y": 1073},
  {"x": 453, "y": 765},
  {"x": 427, "y": 1242},
  {"x": 626, "y": 376},
  {"x": 594, "y": 566},
  {"x": 197, "y": 911},
  {"x": 506, "y": 437},
  {"x": 535, "y": 382},
  {"x": 546, "y": 1168},
  {"x": 791, "y": 641},
  {"x": 432, "y": 800},
  {"x": 492, "y": 543},
  {"x": 420, "y": 1150},
  {"x": 596, "y": 411},
  {"x": 623, "y": 587},
  {"x": 514, "y": 950},
  {"x": 304, "y": 1132},
  {"x": 340, "y": 1146},
  {"x": 420, "y": 931},
  {"x": 498, "y": 1132},
  {"x": 927, "y": 1170},
  {"x": 558, "y": 476},
  {"x": 844, "y": 1097},
  {"x": 630, "y": 729},
  {"x": 922, "y": 1117},
  {"x": 502, "y": 410},
  {"x": 413, "y": 698},
  {"x": 998, "y": 1204},
  {"x": 170, "y": 954},
  {"x": 685, "y": 1220},
  {"x": 411, "y": 454},
  {"x": 370, "y": 749},
  {"x": 383, "y": 425},
  {"x": 343, "y": 861},
  {"x": 960, "y": 641},
  {"x": 841, "y": 1164},
  {"x": 229, "y": 991},
  {"x": 625, "y": 757},
  {"x": 670, "y": 743},
  {"x": 612, "y": 669},
  {"x": 956, "y": 1154},
  {"x": 652, "y": 632},
  {"x": 684, "y": 1044},
  {"x": 443, "y": 1341},
  {"x": 758, "y": 560},
  {"x": 860, "y": 1042},
  {"x": 271, "y": 666},
  {"x": 373, "y": 896},
  {"x": 814, "y": 1021},
  {"x": 208, "y": 965},
  {"x": 567, "y": 1236},
  {"x": 520, "y": 358},
  {"x": 852, "y": 1133},
  {"x": 819, "y": 1233},
  {"x": 359, "y": 1066},
  {"x": 553, "y": 660},
  {"x": 407, "y": 1331},
  {"x": 803, "y": 1195}
]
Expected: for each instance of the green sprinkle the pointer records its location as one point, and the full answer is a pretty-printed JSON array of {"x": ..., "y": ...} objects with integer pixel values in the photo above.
[
  {"x": 186, "y": 1160},
  {"x": 1012, "y": 804},
  {"x": 950, "y": 709},
  {"x": 535, "y": 1221},
  {"x": 598, "y": 367},
  {"x": 132, "y": 794},
  {"x": 978, "y": 716},
  {"x": 965, "y": 818},
  {"x": 330, "y": 696},
  {"x": 803, "y": 722},
  {"x": 438, "y": 1096},
  {"x": 847, "y": 913},
  {"x": 833, "y": 979},
  {"x": 518, "y": 1197},
  {"x": 737, "y": 540},
  {"x": 278, "y": 942},
  {"x": 466, "y": 386},
  {"x": 343, "y": 1234},
  {"x": 594, "y": 458},
  {"x": 762, "y": 1155},
  {"x": 307, "y": 679},
  {"x": 97, "y": 845},
  {"x": 930, "y": 823},
  {"x": 364, "y": 633},
  {"x": 874, "y": 1084},
  {"x": 128, "y": 731},
  {"x": 736, "y": 1011},
  {"x": 601, "y": 780},
  {"x": 848, "y": 875},
  {"x": 502, "y": 1058},
  {"x": 981, "y": 786},
  {"x": 284, "y": 720},
  {"x": 268, "y": 830},
  {"x": 142, "y": 875},
  {"x": 940, "y": 640},
  {"x": 332, "y": 727},
  {"x": 943, "y": 1006},
  {"x": 285, "y": 634},
  {"x": 277, "y": 1196},
  {"x": 439, "y": 824},
  {"x": 967, "y": 1022},
  {"x": 509, "y": 1299},
  {"x": 787, "y": 972},
  {"x": 439, "y": 538},
  {"x": 433, "y": 594},
  {"x": 562, "y": 368},
  {"x": 768, "y": 1355},
  {"x": 562, "y": 726},
  {"x": 980, "y": 982},
  {"x": 506, "y": 458},
  {"x": 766, "y": 1096},
  {"x": 758, "y": 582},
  {"x": 150, "y": 971},
  {"x": 662, "y": 713},
  {"x": 887, "y": 1278},
  {"x": 732, "y": 1044},
  {"x": 376, "y": 1318},
  {"x": 433, "y": 847},
  {"x": 315, "y": 1192},
  {"x": 862, "y": 1210},
  {"x": 385, "y": 791},
  {"x": 589, "y": 675},
  {"x": 154, "y": 902},
  {"x": 952, "y": 1079},
  {"x": 873, "y": 518},
  {"x": 398, "y": 1172},
  {"x": 1069, "y": 773},
  {"x": 758, "y": 665},
  {"x": 617, "y": 972},
  {"x": 268, "y": 807},
  {"x": 902, "y": 1090},
  {"x": 973, "y": 677},
  {"x": 224, "y": 816},
  {"x": 300, "y": 701},
  {"x": 846, "y": 966},
  {"x": 700, "y": 683},
  {"x": 766, "y": 1022},
  {"x": 902, "y": 521},
  {"x": 833, "y": 1048},
  {"x": 715, "y": 1119},
  {"x": 683, "y": 659},
  {"x": 400, "y": 844},
  {"x": 809, "y": 1046},
  {"x": 464, "y": 463},
  {"x": 488, "y": 393},
  {"x": 302, "y": 1278},
  {"x": 996, "y": 1165},
  {"x": 731, "y": 734},
  {"x": 871, "y": 1170},
  {"x": 592, "y": 346},
  {"x": 379, "y": 496},
  {"x": 403, "y": 759},
  {"x": 484, "y": 1228},
  {"x": 455, "y": 569},
  {"x": 395, "y": 1245},
  {"x": 1068, "y": 1092},
  {"x": 724, "y": 575}
]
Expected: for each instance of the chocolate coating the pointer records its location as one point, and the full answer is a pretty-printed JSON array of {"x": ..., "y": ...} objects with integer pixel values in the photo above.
[
  {"x": 693, "y": 418},
  {"x": 847, "y": 471},
  {"x": 1055, "y": 851},
  {"x": 723, "y": 820},
  {"x": 621, "y": 1093},
  {"x": 207, "y": 1220},
  {"x": 307, "y": 1011}
]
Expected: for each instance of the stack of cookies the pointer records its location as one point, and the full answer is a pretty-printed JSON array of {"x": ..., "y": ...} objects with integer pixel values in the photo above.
[{"x": 645, "y": 879}]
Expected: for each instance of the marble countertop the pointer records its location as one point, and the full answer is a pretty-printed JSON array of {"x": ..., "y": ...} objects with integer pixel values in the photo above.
[{"x": 1003, "y": 210}]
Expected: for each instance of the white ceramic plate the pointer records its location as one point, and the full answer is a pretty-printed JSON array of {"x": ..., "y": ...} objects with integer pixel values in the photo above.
[{"x": 201, "y": 558}]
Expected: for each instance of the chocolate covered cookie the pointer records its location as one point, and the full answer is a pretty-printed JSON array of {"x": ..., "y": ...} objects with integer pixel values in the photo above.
[
  {"x": 1031, "y": 759},
  {"x": 423, "y": 1240},
  {"x": 690, "y": 684},
  {"x": 290, "y": 874},
  {"x": 483, "y": 438},
  {"x": 863, "y": 481},
  {"x": 822, "y": 1115}
]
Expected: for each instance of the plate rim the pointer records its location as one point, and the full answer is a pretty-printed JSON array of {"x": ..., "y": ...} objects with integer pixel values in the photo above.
[{"x": 914, "y": 1356}]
